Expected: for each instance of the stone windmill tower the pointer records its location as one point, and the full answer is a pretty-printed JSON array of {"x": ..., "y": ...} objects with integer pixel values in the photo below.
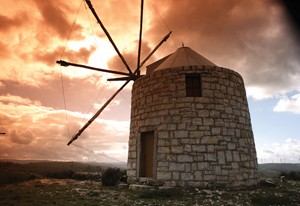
[{"x": 190, "y": 125}]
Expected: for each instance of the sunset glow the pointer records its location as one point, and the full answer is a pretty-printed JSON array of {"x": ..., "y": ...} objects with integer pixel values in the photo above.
[{"x": 43, "y": 104}]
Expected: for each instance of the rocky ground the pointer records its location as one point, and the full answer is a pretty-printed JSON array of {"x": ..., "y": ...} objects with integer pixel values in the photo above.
[{"x": 73, "y": 192}]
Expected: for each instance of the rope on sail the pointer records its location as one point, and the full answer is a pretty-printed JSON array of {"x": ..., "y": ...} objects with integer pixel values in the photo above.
[
  {"x": 61, "y": 73},
  {"x": 163, "y": 22}
]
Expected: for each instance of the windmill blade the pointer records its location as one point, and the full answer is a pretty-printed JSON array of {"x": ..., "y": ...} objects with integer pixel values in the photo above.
[
  {"x": 140, "y": 39},
  {"x": 97, "y": 114},
  {"x": 65, "y": 64},
  {"x": 154, "y": 50},
  {"x": 107, "y": 34},
  {"x": 124, "y": 78}
]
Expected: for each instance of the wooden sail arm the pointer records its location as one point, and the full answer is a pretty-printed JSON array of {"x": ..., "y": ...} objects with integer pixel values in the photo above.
[
  {"x": 65, "y": 64},
  {"x": 140, "y": 38},
  {"x": 107, "y": 34},
  {"x": 154, "y": 50},
  {"x": 97, "y": 114},
  {"x": 125, "y": 78}
]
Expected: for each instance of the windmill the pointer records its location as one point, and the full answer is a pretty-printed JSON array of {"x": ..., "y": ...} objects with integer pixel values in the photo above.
[{"x": 131, "y": 75}]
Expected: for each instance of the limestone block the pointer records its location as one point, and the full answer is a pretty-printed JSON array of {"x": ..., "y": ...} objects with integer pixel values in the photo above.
[
  {"x": 203, "y": 113},
  {"x": 185, "y": 158},
  {"x": 161, "y": 142},
  {"x": 198, "y": 175},
  {"x": 163, "y": 134},
  {"x": 208, "y": 121},
  {"x": 176, "y": 119},
  {"x": 176, "y": 167},
  {"x": 161, "y": 157},
  {"x": 216, "y": 131},
  {"x": 171, "y": 126},
  {"x": 188, "y": 148},
  {"x": 228, "y": 156},
  {"x": 181, "y": 134},
  {"x": 231, "y": 146},
  {"x": 210, "y": 148},
  {"x": 199, "y": 148},
  {"x": 175, "y": 142},
  {"x": 239, "y": 177},
  {"x": 198, "y": 158},
  {"x": 164, "y": 175},
  {"x": 235, "y": 165},
  {"x": 210, "y": 157},
  {"x": 221, "y": 157},
  {"x": 155, "y": 121},
  {"x": 171, "y": 157},
  {"x": 225, "y": 172},
  {"x": 164, "y": 150},
  {"x": 194, "y": 166},
  {"x": 236, "y": 156},
  {"x": 209, "y": 177},
  {"x": 209, "y": 140},
  {"x": 196, "y": 134},
  {"x": 217, "y": 170},
  {"x": 131, "y": 173},
  {"x": 181, "y": 126},
  {"x": 219, "y": 122},
  {"x": 186, "y": 176},
  {"x": 188, "y": 141},
  {"x": 175, "y": 175},
  {"x": 163, "y": 164},
  {"x": 177, "y": 149}
]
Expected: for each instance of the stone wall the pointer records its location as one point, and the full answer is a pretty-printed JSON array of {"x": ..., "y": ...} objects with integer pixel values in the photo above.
[{"x": 199, "y": 141}]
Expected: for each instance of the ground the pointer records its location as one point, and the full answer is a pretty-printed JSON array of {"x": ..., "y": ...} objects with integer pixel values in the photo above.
[{"x": 74, "y": 192}]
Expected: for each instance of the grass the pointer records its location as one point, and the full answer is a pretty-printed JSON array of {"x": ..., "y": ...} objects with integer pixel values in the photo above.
[
  {"x": 92, "y": 193},
  {"x": 78, "y": 192}
]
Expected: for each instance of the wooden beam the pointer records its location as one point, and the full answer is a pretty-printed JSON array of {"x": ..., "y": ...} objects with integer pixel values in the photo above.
[
  {"x": 154, "y": 50},
  {"x": 140, "y": 39},
  {"x": 97, "y": 114},
  {"x": 65, "y": 64},
  {"x": 107, "y": 34}
]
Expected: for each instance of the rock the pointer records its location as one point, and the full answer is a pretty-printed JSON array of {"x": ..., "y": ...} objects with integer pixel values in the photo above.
[
  {"x": 140, "y": 187},
  {"x": 283, "y": 179},
  {"x": 209, "y": 192},
  {"x": 123, "y": 186},
  {"x": 267, "y": 184}
]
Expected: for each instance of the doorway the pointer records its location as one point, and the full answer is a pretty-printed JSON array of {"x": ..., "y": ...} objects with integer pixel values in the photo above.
[{"x": 147, "y": 152}]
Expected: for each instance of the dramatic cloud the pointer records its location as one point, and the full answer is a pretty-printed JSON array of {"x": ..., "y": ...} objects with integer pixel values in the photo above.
[
  {"x": 40, "y": 142},
  {"x": 7, "y": 23},
  {"x": 55, "y": 20},
  {"x": 254, "y": 38},
  {"x": 258, "y": 43}
]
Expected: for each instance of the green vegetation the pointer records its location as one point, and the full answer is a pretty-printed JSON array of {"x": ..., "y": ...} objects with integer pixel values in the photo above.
[
  {"x": 29, "y": 188},
  {"x": 266, "y": 170},
  {"x": 155, "y": 193},
  {"x": 14, "y": 173},
  {"x": 111, "y": 176}
]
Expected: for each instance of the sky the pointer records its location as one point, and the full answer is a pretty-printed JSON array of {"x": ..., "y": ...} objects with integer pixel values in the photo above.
[{"x": 42, "y": 105}]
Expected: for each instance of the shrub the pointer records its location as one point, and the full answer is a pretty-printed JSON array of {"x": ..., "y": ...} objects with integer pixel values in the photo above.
[
  {"x": 292, "y": 175},
  {"x": 111, "y": 176}
]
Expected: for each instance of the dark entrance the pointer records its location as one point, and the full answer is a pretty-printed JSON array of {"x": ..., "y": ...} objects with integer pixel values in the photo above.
[{"x": 147, "y": 147}]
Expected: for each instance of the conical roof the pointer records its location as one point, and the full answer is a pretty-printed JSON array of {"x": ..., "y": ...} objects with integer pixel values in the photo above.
[{"x": 183, "y": 56}]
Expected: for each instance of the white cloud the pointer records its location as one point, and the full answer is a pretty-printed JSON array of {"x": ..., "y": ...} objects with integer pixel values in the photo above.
[
  {"x": 289, "y": 152},
  {"x": 289, "y": 140},
  {"x": 287, "y": 104}
]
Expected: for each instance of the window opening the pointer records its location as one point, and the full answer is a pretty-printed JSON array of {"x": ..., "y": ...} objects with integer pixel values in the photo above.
[{"x": 193, "y": 85}]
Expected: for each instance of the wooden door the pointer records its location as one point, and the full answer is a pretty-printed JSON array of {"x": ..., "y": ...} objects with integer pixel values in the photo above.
[{"x": 147, "y": 146}]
